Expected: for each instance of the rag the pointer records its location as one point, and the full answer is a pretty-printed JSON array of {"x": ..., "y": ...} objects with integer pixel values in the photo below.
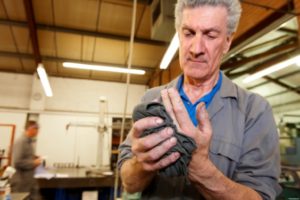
[{"x": 185, "y": 144}]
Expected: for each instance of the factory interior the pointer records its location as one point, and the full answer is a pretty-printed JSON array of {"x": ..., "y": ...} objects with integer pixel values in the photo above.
[{"x": 87, "y": 112}]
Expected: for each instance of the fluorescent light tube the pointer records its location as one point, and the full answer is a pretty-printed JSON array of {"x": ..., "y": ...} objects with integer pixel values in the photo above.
[
  {"x": 273, "y": 68},
  {"x": 44, "y": 80},
  {"x": 172, "y": 49},
  {"x": 103, "y": 68}
]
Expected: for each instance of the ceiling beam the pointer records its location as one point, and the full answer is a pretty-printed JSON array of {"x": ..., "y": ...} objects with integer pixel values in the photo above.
[
  {"x": 32, "y": 30},
  {"x": 284, "y": 85},
  {"x": 272, "y": 61},
  {"x": 264, "y": 26},
  {"x": 297, "y": 8},
  {"x": 280, "y": 77},
  {"x": 288, "y": 31},
  {"x": 281, "y": 40},
  {"x": 61, "y": 59},
  {"x": 83, "y": 32},
  {"x": 233, "y": 65}
]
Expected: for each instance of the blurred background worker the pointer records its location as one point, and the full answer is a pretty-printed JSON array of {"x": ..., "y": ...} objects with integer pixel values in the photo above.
[{"x": 25, "y": 162}]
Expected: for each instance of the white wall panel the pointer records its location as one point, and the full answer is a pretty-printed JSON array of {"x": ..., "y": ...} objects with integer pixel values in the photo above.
[
  {"x": 15, "y": 90},
  {"x": 83, "y": 95},
  {"x": 77, "y": 145}
]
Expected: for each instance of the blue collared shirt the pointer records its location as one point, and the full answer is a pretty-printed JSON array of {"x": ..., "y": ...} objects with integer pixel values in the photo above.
[{"x": 190, "y": 107}]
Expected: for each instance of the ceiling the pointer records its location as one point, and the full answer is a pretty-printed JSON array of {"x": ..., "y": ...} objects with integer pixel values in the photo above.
[{"x": 98, "y": 32}]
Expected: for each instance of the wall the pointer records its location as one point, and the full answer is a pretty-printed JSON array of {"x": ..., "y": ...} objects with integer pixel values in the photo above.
[{"x": 74, "y": 101}]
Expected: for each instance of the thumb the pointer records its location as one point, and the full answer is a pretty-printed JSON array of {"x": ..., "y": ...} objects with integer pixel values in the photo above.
[{"x": 203, "y": 119}]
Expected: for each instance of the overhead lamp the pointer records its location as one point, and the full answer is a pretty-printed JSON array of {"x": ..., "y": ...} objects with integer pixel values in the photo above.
[
  {"x": 44, "y": 80},
  {"x": 172, "y": 49},
  {"x": 102, "y": 68},
  {"x": 273, "y": 68}
]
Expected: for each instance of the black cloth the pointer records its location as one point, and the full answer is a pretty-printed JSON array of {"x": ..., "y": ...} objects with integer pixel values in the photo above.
[{"x": 185, "y": 144}]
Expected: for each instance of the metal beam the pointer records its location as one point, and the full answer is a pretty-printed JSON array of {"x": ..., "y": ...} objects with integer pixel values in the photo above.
[
  {"x": 61, "y": 59},
  {"x": 32, "y": 30},
  {"x": 288, "y": 31},
  {"x": 280, "y": 77},
  {"x": 266, "y": 25},
  {"x": 282, "y": 48},
  {"x": 272, "y": 61},
  {"x": 297, "y": 8},
  {"x": 83, "y": 32},
  {"x": 278, "y": 82}
]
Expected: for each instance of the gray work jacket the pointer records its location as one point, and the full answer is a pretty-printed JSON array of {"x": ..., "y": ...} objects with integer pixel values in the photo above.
[
  {"x": 23, "y": 156},
  {"x": 244, "y": 144}
]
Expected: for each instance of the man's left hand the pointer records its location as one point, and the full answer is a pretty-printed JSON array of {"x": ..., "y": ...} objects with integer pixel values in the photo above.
[{"x": 201, "y": 134}]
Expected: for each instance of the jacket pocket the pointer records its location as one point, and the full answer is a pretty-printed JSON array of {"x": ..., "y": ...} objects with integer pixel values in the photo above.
[{"x": 225, "y": 156}]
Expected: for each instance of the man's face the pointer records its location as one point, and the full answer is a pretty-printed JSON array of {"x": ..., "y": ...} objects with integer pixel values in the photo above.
[
  {"x": 203, "y": 40},
  {"x": 32, "y": 131}
]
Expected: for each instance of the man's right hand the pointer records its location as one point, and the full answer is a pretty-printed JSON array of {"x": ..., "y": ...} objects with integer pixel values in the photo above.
[
  {"x": 37, "y": 161},
  {"x": 150, "y": 149},
  {"x": 137, "y": 172}
]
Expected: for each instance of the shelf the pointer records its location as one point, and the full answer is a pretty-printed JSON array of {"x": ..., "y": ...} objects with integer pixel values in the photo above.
[
  {"x": 116, "y": 132},
  {"x": 115, "y": 151}
]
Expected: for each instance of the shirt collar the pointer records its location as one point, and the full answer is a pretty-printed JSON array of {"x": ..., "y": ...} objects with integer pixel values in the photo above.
[
  {"x": 228, "y": 88},
  {"x": 207, "y": 98}
]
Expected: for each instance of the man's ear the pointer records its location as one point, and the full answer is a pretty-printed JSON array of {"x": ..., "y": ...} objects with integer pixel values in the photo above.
[{"x": 228, "y": 42}]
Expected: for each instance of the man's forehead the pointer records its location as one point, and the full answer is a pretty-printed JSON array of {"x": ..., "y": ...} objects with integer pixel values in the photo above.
[
  {"x": 35, "y": 126},
  {"x": 205, "y": 16}
]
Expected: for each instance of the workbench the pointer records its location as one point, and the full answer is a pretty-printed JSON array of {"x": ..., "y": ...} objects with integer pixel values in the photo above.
[
  {"x": 75, "y": 178},
  {"x": 19, "y": 195},
  {"x": 69, "y": 183}
]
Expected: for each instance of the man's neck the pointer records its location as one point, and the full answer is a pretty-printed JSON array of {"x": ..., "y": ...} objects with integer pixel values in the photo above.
[{"x": 195, "y": 89}]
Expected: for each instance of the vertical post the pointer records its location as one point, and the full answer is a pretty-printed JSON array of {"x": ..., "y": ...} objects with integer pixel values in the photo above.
[{"x": 297, "y": 10}]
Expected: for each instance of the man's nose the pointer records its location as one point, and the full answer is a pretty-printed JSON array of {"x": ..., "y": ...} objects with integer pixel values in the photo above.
[{"x": 197, "y": 47}]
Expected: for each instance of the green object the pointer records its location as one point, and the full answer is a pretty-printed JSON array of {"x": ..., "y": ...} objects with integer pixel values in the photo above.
[{"x": 134, "y": 196}]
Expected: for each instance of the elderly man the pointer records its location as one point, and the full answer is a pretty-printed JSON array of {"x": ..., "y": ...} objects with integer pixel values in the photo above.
[{"x": 237, "y": 155}]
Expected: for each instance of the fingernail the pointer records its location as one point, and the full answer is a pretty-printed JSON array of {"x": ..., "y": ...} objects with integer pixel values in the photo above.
[
  {"x": 173, "y": 140},
  {"x": 159, "y": 121},
  {"x": 169, "y": 132}
]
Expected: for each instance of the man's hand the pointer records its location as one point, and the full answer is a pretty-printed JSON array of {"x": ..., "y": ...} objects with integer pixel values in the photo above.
[
  {"x": 201, "y": 134},
  {"x": 202, "y": 172},
  {"x": 138, "y": 171},
  {"x": 149, "y": 149},
  {"x": 37, "y": 161}
]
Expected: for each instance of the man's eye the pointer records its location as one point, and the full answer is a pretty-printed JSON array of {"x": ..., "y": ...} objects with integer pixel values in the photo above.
[
  {"x": 211, "y": 36},
  {"x": 187, "y": 33}
]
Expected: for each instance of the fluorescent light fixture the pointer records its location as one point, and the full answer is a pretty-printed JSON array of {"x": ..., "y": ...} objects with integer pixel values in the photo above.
[
  {"x": 103, "y": 68},
  {"x": 273, "y": 68},
  {"x": 172, "y": 49},
  {"x": 44, "y": 80}
]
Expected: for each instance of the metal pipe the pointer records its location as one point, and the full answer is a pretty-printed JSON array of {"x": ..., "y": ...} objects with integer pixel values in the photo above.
[{"x": 127, "y": 90}]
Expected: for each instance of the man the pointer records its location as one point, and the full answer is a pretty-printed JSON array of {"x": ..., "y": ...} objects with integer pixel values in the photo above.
[
  {"x": 25, "y": 162},
  {"x": 237, "y": 154}
]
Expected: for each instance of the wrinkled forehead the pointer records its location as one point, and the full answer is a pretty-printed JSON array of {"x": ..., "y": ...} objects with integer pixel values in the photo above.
[
  {"x": 33, "y": 126},
  {"x": 205, "y": 15}
]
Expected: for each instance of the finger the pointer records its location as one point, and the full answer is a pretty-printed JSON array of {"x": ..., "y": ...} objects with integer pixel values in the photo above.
[
  {"x": 158, "y": 151},
  {"x": 168, "y": 104},
  {"x": 148, "y": 142},
  {"x": 161, "y": 163},
  {"x": 180, "y": 111},
  {"x": 203, "y": 119},
  {"x": 141, "y": 125}
]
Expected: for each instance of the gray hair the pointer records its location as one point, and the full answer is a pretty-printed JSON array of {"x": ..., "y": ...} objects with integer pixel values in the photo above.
[{"x": 233, "y": 7}]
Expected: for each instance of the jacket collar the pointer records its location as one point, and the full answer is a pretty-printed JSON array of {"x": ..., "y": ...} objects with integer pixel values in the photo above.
[{"x": 227, "y": 90}]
